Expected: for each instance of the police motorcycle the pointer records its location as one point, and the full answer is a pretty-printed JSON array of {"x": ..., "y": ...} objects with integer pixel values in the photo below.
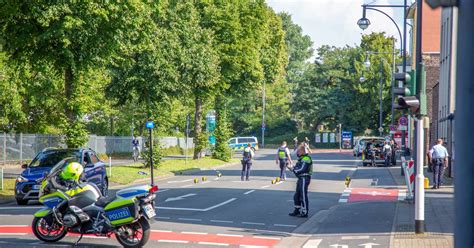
[{"x": 83, "y": 210}]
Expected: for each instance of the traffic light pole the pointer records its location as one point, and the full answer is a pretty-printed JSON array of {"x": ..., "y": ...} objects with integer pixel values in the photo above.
[{"x": 404, "y": 134}]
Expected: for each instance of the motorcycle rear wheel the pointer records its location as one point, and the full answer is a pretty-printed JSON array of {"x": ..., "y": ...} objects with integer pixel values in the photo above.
[
  {"x": 136, "y": 234},
  {"x": 46, "y": 232}
]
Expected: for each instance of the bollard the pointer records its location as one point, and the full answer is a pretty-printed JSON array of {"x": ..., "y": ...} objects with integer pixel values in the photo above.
[
  {"x": 277, "y": 179},
  {"x": 110, "y": 166},
  {"x": 427, "y": 182},
  {"x": 196, "y": 180}
]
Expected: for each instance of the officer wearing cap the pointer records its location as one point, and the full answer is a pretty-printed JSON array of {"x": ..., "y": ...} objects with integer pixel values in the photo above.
[
  {"x": 303, "y": 171},
  {"x": 439, "y": 155},
  {"x": 283, "y": 158}
]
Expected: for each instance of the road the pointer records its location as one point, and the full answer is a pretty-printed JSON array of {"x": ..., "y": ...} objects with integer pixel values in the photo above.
[{"x": 227, "y": 212}]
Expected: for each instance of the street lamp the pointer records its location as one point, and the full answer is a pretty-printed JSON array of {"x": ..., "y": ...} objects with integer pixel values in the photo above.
[
  {"x": 367, "y": 61},
  {"x": 363, "y": 23}
]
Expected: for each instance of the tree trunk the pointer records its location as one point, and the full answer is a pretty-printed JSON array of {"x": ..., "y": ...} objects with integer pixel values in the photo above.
[{"x": 198, "y": 146}]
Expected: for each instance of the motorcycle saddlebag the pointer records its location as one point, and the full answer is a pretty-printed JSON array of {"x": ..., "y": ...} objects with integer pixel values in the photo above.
[{"x": 122, "y": 211}]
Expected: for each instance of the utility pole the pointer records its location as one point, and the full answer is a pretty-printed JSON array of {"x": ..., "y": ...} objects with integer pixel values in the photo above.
[
  {"x": 340, "y": 137},
  {"x": 263, "y": 115},
  {"x": 380, "y": 95}
]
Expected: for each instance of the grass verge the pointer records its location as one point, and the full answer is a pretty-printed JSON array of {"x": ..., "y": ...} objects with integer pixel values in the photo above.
[
  {"x": 8, "y": 190},
  {"x": 129, "y": 173}
]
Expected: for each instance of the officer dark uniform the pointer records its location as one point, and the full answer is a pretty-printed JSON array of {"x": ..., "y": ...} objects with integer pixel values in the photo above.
[
  {"x": 303, "y": 171},
  {"x": 246, "y": 163},
  {"x": 283, "y": 158}
]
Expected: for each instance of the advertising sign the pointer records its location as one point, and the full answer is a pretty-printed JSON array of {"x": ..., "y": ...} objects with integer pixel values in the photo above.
[
  {"x": 325, "y": 137},
  {"x": 317, "y": 138},
  {"x": 332, "y": 137},
  {"x": 346, "y": 139}
]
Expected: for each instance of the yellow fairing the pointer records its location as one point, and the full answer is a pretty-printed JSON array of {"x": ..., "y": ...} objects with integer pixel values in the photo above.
[{"x": 78, "y": 190}]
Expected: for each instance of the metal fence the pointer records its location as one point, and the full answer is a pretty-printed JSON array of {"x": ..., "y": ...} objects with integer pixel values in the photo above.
[{"x": 20, "y": 147}]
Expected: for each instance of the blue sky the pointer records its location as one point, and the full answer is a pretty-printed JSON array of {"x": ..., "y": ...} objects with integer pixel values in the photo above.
[{"x": 334, "y": 22}]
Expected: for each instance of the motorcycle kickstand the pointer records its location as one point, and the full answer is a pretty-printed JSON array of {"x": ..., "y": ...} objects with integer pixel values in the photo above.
[{"x": 79, "y": 240}]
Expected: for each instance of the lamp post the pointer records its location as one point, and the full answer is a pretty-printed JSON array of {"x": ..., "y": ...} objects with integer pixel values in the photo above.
[{"x": 364, "y": 23}]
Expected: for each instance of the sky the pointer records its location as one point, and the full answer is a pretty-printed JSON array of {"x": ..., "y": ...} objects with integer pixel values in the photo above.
[{"x": 334, "y": 22}]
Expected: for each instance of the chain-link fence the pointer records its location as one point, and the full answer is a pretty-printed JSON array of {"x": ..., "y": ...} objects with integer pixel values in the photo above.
[{"x": 21, "y": 147}]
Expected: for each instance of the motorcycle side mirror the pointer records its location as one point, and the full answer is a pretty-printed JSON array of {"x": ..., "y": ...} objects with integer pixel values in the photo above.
[{"x": 24, "y": 166}]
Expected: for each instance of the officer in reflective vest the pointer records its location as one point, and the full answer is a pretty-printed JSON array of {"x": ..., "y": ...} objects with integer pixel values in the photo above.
[
  {"x": 283, "y": 158},
  {"x": 303, "y": 170},
  {"x": 246, "y": 162}
]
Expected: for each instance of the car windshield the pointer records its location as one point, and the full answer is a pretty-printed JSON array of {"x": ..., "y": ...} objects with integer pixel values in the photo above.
[{"x": 51, "y": 158}]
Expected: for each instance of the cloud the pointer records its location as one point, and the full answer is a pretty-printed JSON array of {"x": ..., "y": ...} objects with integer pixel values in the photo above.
[{"x": 334, "y": 22}]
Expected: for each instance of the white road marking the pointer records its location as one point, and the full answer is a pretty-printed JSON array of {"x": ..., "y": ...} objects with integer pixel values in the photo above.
[
  {"x": 196, "y": 233},
  {"x": 206, "y": 182},
  {"x": 337, "y": 160},
  {"x": 345, "y": 194},
  {"x": 230, "y": 235},
  {"x": 162, "y": 190},
  {"x": 222, "y": 221},
  {"x": 312, "y": 243},
  {"x": 189, "y": 219},
  {"x": 252, "y": 246},
  {"x": 348, "y": 190},
  {"x": 162, "y": 231},
  {"x": 402, "y": 195},
  {"x": 173, "y": 241},
  {"x": 280, "y": 182},
  {"x": 187, "y": 186},
  {"x": 434, "y": 195},
  {"x": 253, "y": 223},
  {"x": 20, "y": 208},
  {"x": 248, "y": 192},
  {"x": 354, "y": 237},
  {"x": 164, "y": 218},
  {"x": 284, "y": 225},
  {"x": 266, "y": 186},
  {"x": 199, "y": 209},
  {"x": 262, "y": 237},
  {"x": 211, "y": 243},
  {"x": 13, "y": 234},
  {"x": 179, "y": 197},
  {"x": 94, "y": 237},
  {"x": 182, "y": 181},
  {"x": 343, "y": 200}
]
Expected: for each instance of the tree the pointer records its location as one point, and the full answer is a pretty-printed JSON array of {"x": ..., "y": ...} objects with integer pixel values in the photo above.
[{"x": 71, "y": 37}]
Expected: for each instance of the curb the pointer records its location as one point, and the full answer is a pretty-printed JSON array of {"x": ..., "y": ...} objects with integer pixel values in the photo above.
[{"x": 7, "y": 200}]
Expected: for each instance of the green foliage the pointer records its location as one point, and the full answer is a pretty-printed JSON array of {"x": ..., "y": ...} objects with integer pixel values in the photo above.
[
  {"x": 76, "y": 135},
  {"x": 223, "y": 133},
  {"x": 156, "y": 156}
]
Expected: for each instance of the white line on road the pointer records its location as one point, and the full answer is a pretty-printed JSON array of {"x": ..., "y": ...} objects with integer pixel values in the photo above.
[
  {"x": 173, "y": 241},
  {"x": 354, "y": 237},
  {"x": 253, "y": 223},
  {"x": 161, "y": 231},
  {"x": 312, "y": 243},
  {"x": 280, "y": 182},
  {"x": 284, "y": 225},
  {"x": 189, "y": 219},
  {"x": 266, "y": 186},
  {"x": 206, "y": 182},
  {"x": 434, "y": 195},
  {"x": 222, "y": 221},
  {"x": 187, "y": 186},
  {"x": 199, "y": 209},
  {"x": 163, "y": 218},
  {"x": 13, "y": 234},
  {"x": 248, "y": 192},
  {"x": 220, "y": 204},
  {"x": 182, "y": 181},
  {"x": 230, "y": 235},
  {"x": 262, "y": 237},
  {"x": 343, "y": 200},
  {"x": 19, "y": 208},
  {"x": 346, "y": 194},
  {"x": 211, "y": 243},
  {"x": 196, "y": 233},
  {"x": 402, "y": 195},
  {"x": 162, "y": 190},
  {"x": 252, "y": 246}
]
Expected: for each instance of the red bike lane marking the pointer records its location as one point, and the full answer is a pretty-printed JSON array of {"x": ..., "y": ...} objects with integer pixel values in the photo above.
[
  {"x": 173, "y": 236},
  {"x": 373, "y": 194}
]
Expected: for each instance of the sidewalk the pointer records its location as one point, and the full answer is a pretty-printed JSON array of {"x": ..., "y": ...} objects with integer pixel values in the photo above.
[{"x": 439, "y": 217}]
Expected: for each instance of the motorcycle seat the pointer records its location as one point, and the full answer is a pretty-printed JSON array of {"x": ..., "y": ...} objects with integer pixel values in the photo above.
[{"x": 103, "y": 201}]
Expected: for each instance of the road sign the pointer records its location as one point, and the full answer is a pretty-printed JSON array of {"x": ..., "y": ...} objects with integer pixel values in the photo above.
[
  {"x": 403, "y": 121},
  {"x": 393, "y": 127},
  {"x": 380, "y": 129},
  {"x": 346, "y": 139},
  {"x": 150, "y": 124}
]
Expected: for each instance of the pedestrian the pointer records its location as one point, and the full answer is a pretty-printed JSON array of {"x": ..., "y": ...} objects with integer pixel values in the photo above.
[
  {"x": 283, "y": 158},
  {"x": 303, "y": 170},
  {"x": 306, "y": 144},
  {"x": 295, "y": 142},
  {"x": 439, "y": 155},
  {"x": 393, "y": 144},
  {"x": 246, "y": 162},
  {"x": 387, "y": 153}
]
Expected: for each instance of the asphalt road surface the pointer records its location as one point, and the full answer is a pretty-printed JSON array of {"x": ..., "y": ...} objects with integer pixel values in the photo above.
[{"x": 227, "y": 212}]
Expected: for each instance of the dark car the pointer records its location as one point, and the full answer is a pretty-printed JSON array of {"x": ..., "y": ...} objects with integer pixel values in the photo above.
[{"x": 26, "y": 187}]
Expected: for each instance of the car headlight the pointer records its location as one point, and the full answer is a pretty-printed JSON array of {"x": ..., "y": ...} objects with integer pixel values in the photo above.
[{"x": 21, "y": 179}]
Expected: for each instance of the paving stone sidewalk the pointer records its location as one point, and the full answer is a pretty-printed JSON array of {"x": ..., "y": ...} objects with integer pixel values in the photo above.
[{"x": 439, "y": 217}]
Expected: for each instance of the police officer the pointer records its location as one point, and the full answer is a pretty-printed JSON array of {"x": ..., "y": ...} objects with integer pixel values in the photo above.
[
  {"x": 387, "y": 152},
  {"x": 303, "y": 171},
  {"x": 439, "y": 155},
  {"x": 246, "y": 162},
  {"x": 283, "y": 158}
]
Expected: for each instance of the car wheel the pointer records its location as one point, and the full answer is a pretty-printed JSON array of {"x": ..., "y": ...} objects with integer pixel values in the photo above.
[
  {"x": 105, "y": 187},
  {"x": 21, "y": 201}
]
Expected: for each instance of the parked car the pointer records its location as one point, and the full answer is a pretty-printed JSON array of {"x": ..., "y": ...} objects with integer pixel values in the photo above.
[
  {"x": 359, "y": 145},
  {"x": 239, "y": 143},
  {"x": 26, "y": 186},
  {"x": 372, "y": 153}
]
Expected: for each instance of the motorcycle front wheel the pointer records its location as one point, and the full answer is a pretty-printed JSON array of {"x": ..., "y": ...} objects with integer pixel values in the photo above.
[
  {"x": 135, "y": 234},
  {"x": 48, "y": 232}
]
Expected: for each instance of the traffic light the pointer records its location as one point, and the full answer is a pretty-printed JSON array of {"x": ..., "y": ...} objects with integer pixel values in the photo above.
[
  {"x": 405, "y": 78},
  {"x": 406, "y": 98}
]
